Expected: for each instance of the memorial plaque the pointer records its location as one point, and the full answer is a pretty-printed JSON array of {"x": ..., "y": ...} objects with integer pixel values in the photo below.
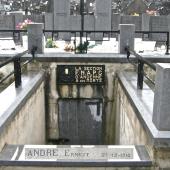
[
  {"x": 78, "y": 153},
  {"x": 81, "y": 74}
]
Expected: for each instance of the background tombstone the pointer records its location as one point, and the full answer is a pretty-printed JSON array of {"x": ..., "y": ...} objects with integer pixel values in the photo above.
[
  {"x": 145, "y": 25},
  {"x": 49, "y": 24},
  {"x": 36, "y": 37},
  {"x": 18, "y": 17},
  {"x": 102, "y": 17},
  {"x": 126, "y": 37},
  {"x": 62, "y": 18},
  {"x": 6, "y": 23}
]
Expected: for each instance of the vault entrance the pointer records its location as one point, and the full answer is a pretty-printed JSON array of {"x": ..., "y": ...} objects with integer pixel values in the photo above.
[{"x": 80, "y": 121}]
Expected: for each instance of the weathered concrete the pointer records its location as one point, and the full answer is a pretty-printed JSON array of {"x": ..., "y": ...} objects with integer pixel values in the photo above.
[
  {"x": 134, "y": 112},
  {"x": 36, "y": 37},
  {"x": 161, "y": 114},
  {"x": 83, "y": 92},
  {"x": 22, "y": 120},
  {"x": 126, "y": 37}
]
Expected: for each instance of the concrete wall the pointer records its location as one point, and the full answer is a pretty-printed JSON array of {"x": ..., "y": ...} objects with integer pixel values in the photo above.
[
  {"x": 130, "y": 128},
  {"x": 28, "y": 126},
  {"x": 87, "y": 91}
]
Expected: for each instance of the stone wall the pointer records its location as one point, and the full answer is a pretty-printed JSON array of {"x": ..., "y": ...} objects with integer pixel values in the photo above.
[
  {"x": 28, "y": 126},
  {"x": 130, "y": 128},
  {"x": 87, "y": 91}
]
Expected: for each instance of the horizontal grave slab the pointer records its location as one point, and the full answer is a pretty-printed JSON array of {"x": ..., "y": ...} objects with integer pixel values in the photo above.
[{"x": 75, "y": 155}]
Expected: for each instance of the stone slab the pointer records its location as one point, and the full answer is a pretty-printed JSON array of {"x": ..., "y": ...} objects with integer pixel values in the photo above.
[
  {"x": 13, "y": 99},
  {"x": 76, "y": 156},
  {"x": 142, "y": 102}
]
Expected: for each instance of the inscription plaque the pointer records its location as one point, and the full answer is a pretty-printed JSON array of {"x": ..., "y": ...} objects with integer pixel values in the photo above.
[
  {"x": 78, "y": 153},
  {"x": 81, "y": 74}
]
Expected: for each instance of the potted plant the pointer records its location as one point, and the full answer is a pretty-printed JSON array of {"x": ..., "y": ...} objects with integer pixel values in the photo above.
[
  {"x": 51, "y": 44},
  {"x": 82, "y": 47}
]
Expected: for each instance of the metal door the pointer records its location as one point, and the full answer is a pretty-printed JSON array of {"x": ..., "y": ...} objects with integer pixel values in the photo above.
[{"x": 80, "y": 121}]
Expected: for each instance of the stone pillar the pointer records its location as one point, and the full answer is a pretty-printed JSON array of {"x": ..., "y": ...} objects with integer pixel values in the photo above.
[
  {"x": 126, "y": 37},
  {"x": 36, "y": 37},
  {"x": 161, "y": 107}
]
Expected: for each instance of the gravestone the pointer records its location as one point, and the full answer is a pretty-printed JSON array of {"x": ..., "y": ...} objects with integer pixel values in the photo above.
[
  {"x": 49, "y": 24},
  {"x": 62, "y": 18},
  {"x": 102, "y": 17},
  {"x": 126, "y": 37},
  {"x": 6, "y": 23},
  {"x": 36, "y": 37}
]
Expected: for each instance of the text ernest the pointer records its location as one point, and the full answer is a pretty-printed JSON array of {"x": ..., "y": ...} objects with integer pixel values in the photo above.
[{"x": 33, "y": 153}]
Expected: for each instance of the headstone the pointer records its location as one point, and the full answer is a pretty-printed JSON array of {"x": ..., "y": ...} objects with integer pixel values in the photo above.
[
  {"x": 36, "y": 37},
  {"x": 161, "y": 107},
  {"x": 145, "y": 22},
  {"x": 89, "y": 25},
  {"x": 102, "y": 17},
  {"x": 62, "y": 18},
  {"x": 48, "y": 24},
  {"x": 18, "y": 17},
  {"x": 126, "y": 37},
  {"x": 6, "y": 23},
  {"x": 116, "y": 18},
  {"x": 158, "y": 23}
]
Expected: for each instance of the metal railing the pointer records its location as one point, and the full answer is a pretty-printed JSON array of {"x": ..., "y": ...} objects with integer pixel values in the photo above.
[
  {"x": 86, "y": 33},
  {"x": 16, "y": 34},
  {"x": 17, "y": 66},
  {"x": 157, "y": 32},
  {"x": 140, "y": 67}
]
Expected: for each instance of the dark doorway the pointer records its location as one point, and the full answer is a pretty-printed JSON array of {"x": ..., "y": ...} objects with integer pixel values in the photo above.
[{"x": 80, "y": 121}]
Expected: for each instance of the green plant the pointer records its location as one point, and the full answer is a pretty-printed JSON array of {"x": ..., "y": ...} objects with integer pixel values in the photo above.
[
  {"x": 50, "y": 44},
  {"x": 82, "y": 47}
]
